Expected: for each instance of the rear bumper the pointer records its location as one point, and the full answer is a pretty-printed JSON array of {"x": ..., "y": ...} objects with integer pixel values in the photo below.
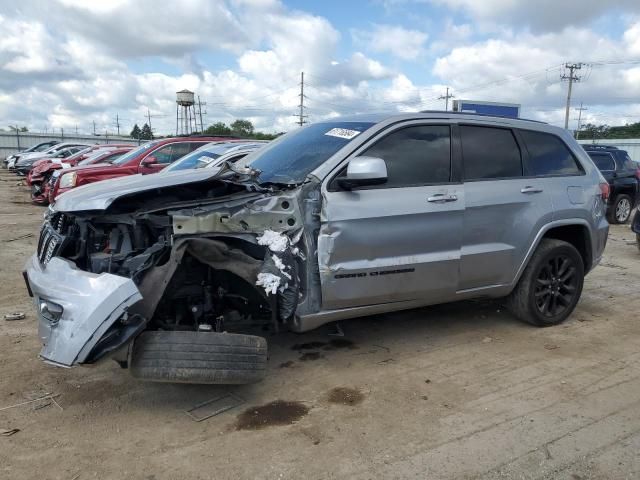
[{"x": 91, "y": 303}]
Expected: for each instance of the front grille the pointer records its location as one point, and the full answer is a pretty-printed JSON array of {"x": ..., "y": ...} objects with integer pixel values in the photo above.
[{"x": 51, "y": 239}]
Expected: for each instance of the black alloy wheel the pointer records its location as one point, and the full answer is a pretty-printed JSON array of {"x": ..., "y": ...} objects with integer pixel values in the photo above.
[{"x": 556, "y": 286}]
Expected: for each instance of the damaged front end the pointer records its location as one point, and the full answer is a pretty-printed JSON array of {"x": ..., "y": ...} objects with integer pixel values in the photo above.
[{"x": 215, "y": 256}]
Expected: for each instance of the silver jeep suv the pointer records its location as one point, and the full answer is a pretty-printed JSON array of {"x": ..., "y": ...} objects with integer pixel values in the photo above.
[{"x": 172, "y": 274}]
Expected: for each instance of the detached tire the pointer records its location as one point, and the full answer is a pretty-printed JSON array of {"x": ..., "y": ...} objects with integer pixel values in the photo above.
[
  {"x": 620, "y": 210},
  {"x": 550, "y": 286},
  {"x": 199, "y": 357}
]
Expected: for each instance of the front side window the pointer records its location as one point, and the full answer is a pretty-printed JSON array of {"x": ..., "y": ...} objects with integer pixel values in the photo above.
[
  {"x": 419, "y": 155},
  {"x": 548, "y": 155},
  {"x": 490, "y": 153},
  {"x": 603, "y": 161}
]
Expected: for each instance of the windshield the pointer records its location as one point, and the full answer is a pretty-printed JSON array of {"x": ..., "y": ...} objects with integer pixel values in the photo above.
[
  {"x": 40, "y": 148},
  {"x": 293, "y": 156},
  {"x": 134, "y": 153}
]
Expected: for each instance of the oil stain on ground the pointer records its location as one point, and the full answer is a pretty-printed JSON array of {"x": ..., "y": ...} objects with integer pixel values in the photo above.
[
  {"x": 333, "y": 344},
  {"x": 310, "y": 356},
  {"x": 345, "y": 396},
  {"x": 279, "y": 412}
]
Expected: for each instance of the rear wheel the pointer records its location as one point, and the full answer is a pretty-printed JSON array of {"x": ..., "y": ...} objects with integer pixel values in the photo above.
[
  {"x": 550, "y": 286},
  {"x": 199, "y": 357},
  {"x": 621, "y": 209}
]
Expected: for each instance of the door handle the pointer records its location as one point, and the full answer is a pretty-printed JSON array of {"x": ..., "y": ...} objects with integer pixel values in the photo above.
[
  {"x": 442, "y": 198},
  {"x": 530, "y": 189}
]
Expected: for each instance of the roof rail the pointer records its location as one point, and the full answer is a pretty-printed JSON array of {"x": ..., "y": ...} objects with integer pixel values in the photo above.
[
  {"x": 593, "y": 146},
  {"x": 449, "y": 112}
]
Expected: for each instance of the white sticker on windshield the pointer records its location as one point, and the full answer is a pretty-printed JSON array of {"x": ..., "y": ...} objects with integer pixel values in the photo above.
[{"x": 342, "y": 133}]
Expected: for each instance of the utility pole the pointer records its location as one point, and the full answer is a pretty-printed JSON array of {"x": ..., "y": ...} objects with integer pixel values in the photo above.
[
  {"x": 571, "y": 77},
  {"x": 94, "y": 128},
  {"x": 301, "y": 116},
  {"x": 200, "y": 113},
  {"x": 118, "y": 124},
  {"x": 446, "y": 98},
  {"x": 76, "y": 129},
  {"x": 580, "y": 119}
]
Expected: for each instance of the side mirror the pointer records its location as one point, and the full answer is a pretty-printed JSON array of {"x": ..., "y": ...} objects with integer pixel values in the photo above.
[
  {"x": 363, "y": 171},
  {"x": 149, "y": 160}
]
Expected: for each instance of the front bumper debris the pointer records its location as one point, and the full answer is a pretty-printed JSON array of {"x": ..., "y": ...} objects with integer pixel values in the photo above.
[{"x": 91, "y": 303}]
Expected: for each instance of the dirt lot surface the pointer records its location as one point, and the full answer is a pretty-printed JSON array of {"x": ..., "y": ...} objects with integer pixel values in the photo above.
[{"x": 454, "y": 391}]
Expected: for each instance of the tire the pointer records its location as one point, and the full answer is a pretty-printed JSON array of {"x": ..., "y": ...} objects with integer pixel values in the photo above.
[
  {"x": 198, "y": 357},
  {"x": 638, "y": 240},
  {"x": 620, "y": 210},
  {"x": 533, "y": 289}
]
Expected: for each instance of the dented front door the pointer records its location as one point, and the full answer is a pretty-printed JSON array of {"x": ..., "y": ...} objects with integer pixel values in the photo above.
[{"x": 395, "y": 242}]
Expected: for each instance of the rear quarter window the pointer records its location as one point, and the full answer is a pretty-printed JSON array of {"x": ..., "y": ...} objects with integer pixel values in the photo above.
[
  {"x": 548, "y": 155},
  {"x": 603, "y": 161}
]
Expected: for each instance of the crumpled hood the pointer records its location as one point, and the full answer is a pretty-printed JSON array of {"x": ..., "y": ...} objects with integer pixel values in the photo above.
[{"x": 99, "y": 195}]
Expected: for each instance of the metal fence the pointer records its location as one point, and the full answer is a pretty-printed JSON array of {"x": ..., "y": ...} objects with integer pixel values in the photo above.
[
  {"x": 631, "y": 145},
  {"x": 12, "y": 142}
]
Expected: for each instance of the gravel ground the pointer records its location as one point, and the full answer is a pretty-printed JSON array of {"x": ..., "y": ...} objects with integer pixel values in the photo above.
[{"x": 454, "y": 391}]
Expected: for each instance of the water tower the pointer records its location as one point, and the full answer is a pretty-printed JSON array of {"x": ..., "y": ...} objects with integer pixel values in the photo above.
[{"x": 185, "y": 113}]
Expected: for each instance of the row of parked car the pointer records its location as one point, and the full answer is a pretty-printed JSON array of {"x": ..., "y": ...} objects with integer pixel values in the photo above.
[{"x": 53, "y": 168}]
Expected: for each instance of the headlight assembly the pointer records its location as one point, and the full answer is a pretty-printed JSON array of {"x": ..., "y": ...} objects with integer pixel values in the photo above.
[{"x": 68, "y": 180}]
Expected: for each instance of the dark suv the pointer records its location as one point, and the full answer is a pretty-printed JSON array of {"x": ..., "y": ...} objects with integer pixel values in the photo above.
[{"x": 623, "y": 176}]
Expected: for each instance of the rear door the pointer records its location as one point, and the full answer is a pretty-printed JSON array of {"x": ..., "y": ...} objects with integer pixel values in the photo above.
[
  {"x": 557, "y": 171},
  {"x": 605, "y": 163},
  {"x": 400, "y": 240},
  {"x": 503, "y": 209}
]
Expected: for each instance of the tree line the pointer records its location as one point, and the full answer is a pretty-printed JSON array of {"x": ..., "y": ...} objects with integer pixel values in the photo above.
[
  {"x": 239, "y": 128},
  {"x": 589, "y": 131}
]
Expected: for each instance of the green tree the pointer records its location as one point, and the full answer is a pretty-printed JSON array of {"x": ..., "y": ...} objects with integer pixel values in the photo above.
[
  {"x": 146, "y": 133},
  {"x": 242, "y": 128},
  {"x": 24, "y": 129},
  {"x": 135, "y": 131},
  {"x": 218, "y": 128}
]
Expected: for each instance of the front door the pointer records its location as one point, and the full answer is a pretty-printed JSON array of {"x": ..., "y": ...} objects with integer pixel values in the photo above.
[{"x": 400, "y": 240}]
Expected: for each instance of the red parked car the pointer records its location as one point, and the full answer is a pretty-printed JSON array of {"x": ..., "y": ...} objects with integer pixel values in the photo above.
[
  {"x": 148, "y": 158},
  {"x": 41, "y": 187},
  {"x": 43, "y": 167}
]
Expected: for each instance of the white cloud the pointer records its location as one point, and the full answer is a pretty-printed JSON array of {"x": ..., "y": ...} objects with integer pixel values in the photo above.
[
  {"x": 72, "y": 62},
  {"x": 396, "y": 40},
  {"x": 540, "y": 15}
]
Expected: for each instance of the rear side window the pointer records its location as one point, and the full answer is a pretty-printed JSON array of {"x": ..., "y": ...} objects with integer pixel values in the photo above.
[
  {"x": 548, "y": 155},
  {"x": 603, "y": 161},
  {"x": 490, "y": 153},
  {"x": 415, "y": 155},
  {"x": 627, "y": 163}
]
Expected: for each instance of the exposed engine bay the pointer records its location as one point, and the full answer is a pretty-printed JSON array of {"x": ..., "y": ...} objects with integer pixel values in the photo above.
[{"x": 211, "y": 256}]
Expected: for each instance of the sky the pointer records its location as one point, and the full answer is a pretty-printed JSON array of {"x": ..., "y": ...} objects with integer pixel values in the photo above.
[{"x": 70, "y": 63}]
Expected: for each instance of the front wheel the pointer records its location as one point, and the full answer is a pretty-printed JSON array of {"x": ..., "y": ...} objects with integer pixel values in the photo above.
[{"x": 550, "y": 286}]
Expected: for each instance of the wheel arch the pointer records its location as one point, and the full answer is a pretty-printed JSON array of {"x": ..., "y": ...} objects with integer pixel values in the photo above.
[{"x": 574, "y": 231}]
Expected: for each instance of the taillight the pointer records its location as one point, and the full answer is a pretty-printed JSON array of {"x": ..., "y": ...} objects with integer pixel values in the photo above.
[
  {"x": 605, "y": 191},
  {"x": 638, "y": 173}
]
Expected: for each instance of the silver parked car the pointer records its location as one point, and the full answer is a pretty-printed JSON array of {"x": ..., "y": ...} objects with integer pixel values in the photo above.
[
  {"x": 214, "y": 154},
  {"x": 345, "y": 218}
]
